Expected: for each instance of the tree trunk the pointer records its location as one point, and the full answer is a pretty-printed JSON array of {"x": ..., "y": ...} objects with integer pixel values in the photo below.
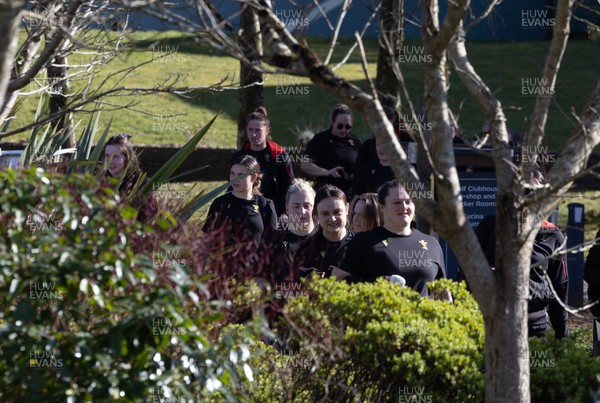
[
  {"x": 60, "y": 87},
  {"x": 506, "y": 330},
  {"x": 10, "y": 11},
  {"x": 390, "y": 43},
  {"x": 251, "y": 96}
]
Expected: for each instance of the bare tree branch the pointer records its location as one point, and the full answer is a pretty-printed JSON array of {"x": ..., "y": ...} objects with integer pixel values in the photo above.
[{"x": 539, "y": 116}]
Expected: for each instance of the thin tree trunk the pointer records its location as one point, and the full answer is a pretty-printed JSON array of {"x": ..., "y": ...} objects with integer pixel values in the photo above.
[
  {"x": 250, "y": 97},
  {"x": 10, "y": 11},
  {"x": 60, "y": 88},
  {"x": 390, "y": 44},
  {"x": 506, "y": 341}
]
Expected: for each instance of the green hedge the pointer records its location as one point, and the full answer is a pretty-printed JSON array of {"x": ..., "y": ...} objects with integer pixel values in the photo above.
[{"x": 84, "y": 318}]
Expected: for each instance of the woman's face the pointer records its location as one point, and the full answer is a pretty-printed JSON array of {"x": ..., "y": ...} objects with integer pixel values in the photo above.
[
  {"x": 332, "y": 214},
  {"x": 359, "y": 216},
  {"x": 243, "y": 185},
  {"x": 114, "y": 157},
  {"x": 398, "y": 209},
  {"x": 299, "y": 209},
  {"x": 342, "y": 125},
  {"x": 257, "y": 133}
]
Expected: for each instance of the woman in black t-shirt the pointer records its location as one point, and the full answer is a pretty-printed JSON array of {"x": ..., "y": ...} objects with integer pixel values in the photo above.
[
  {"x": 243, "y": 213},
  {"x": 275, "y": 163},
  {"x": 325, "y": 250},
  {"x": 395, "y": 248},
  {"x": 276, "y": 254},
  {"x": 330, "y": 155}
]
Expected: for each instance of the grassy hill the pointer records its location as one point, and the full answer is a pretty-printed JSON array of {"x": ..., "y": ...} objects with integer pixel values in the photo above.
[{"x": 295, "y": 104}]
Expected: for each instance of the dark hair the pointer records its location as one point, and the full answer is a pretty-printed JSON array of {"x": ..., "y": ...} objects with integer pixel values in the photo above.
[
  {"x": 259, "y": 114},
  {"x": 384, "y": 190},
  {"x": 132, "y": 164},
  {"x": 249, "y": 162},
  {"x": 339, "y": 109},
  {"x": 328, "y": 191},
  {"x": 372, "y": 211}
]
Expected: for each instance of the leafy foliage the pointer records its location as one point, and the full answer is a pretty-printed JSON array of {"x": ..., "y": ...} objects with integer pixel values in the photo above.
[{"x": 86, "y": 314}]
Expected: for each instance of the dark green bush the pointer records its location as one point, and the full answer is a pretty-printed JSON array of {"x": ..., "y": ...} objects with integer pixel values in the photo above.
[
  {"x": 85, "y": 318},
  {"x": 377, "y": 342},
  {"x": 562, "y": 371}
]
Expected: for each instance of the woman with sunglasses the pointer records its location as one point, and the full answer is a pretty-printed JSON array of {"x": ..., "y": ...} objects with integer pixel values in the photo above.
[
  {"x": 121, "y": 163},
  {"x": 331, "y": 154}
]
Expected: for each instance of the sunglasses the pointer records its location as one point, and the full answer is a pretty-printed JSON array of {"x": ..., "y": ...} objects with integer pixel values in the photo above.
[{"x": 340, "y": 126}]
